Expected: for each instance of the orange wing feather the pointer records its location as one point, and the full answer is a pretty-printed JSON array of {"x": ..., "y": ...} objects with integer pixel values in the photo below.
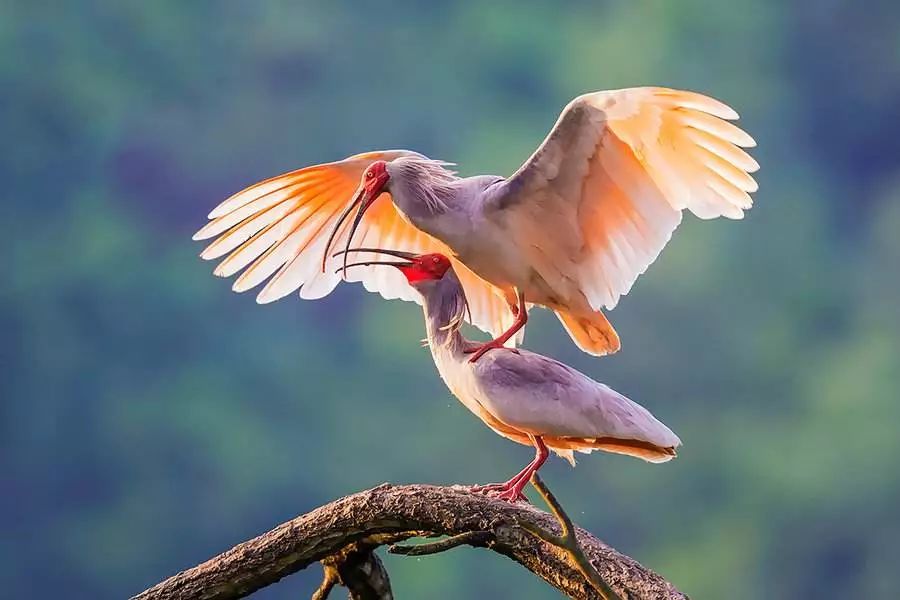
[
  {"x": 275, "y": 232},
  {"x": 615, "y": 174}
]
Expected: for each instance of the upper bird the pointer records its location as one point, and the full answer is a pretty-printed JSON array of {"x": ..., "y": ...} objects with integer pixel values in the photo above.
[
  {"x": 523, "y": 396},
  {"x": 570, "y": 230}
]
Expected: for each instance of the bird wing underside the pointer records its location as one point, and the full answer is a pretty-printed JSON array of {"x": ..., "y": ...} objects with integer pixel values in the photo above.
[{"x": 275, "y": 232}]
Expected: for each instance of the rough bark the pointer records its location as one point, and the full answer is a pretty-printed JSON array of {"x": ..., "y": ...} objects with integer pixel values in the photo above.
[{"x": 343, "y": 535}]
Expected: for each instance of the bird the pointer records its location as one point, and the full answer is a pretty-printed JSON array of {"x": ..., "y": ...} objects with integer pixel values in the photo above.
[
  {"x": 523, "y": 396},
  {"x": 570, "y": 230}
]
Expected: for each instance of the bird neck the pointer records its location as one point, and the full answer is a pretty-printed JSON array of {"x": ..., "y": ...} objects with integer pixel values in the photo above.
[
  {"x": 434, "y": 207},
  {"x": 445, "y": 310},
  {"x": 421, "y": 188}
]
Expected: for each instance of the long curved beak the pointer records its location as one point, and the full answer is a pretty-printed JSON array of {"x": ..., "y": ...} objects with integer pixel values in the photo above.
[
  {"x": 360, "y": 206},
  {"x": 406, "y": 256}
]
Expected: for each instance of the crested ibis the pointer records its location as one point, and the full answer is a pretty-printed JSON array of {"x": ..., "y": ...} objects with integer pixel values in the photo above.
[
  {"x": 521, "y": 395},
  {"x": 570, "y": 230}
]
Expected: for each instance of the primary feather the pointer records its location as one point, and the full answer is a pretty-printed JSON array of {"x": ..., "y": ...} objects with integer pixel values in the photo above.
[{"x": 572, "y": 228}]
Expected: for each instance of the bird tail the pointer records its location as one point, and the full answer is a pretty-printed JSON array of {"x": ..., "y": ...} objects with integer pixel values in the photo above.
[
  {"x": 566, "y": 453},
  {"x": 647, "y": 451},
  {"x": 643, "y": 450},
  {"x": 591, "y": 332}
]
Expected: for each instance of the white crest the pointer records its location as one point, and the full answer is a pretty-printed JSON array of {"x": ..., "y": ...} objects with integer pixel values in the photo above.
[{"x": 426, "y": 179}]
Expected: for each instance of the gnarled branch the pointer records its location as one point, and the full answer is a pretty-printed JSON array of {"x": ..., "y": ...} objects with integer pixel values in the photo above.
[{"x": 343, "y": 535}]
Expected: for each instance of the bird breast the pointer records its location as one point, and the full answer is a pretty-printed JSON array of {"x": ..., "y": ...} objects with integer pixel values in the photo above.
[
  {"x": 481, "y": 245},
  {"x": 485, "y": 246},
  {"x": 458, "y": 375}
]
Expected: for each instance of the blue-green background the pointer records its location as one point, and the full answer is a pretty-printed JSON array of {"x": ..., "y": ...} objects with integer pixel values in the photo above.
[{"x": 151, "y": 418}]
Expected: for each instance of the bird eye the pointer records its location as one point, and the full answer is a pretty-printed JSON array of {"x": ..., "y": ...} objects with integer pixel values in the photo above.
[{"x": 368, "y": 174}]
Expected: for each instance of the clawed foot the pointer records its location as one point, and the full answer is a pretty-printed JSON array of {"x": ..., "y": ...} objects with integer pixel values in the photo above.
[
  {"x": 489, "y": 488},
  {"x": 512, "y": 495},
  {"x": 479, "y": 351},
  {"x": 502, "y": 491}
]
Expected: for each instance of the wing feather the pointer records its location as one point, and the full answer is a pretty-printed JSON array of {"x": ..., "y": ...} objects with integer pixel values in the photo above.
[
  {"x": 613, "y": 177},
  {"x": 274, "y": 232}
]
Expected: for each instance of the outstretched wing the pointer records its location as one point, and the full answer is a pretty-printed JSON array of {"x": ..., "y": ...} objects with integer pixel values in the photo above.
[
  {"x": 599, "y": 199},
  {"x": 276, "y": 231}
]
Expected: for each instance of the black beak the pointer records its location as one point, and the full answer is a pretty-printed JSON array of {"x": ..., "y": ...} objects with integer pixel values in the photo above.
[
  {"x": 406, "y": 256},
  {"x": 361, "y": 206}
]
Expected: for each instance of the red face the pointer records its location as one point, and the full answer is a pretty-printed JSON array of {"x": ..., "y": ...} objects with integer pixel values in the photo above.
[
  {"x": 425, "y": 267},
  {"x": 375, "y": 177},
  {"x": 374, "y": 180}
]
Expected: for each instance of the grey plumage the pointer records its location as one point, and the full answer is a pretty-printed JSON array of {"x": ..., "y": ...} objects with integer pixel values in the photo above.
[
  {"x": 522, "y": 392},
  {"x": 571, "y": 230}
]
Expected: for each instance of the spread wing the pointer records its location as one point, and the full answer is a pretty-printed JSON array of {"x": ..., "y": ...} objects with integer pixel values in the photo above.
[
  {"x": 597, "y": 202},
  {"x": 276, "y": 231}
]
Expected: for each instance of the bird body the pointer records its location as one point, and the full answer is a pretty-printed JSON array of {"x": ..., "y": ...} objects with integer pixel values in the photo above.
[
  {"x": 521, "y": 393},
  {"x": 474, "y": 235},
  {"x": 523, "y": 396},
  {"x": 474, "y": 219},
  {"x": 570, "y": 230}
]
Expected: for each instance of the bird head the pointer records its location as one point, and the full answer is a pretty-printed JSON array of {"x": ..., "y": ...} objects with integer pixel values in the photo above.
[
  {"x": 374, "y": 179},
  {"x": 431, "y": 276},
  {"x": 418, "y": 268}
]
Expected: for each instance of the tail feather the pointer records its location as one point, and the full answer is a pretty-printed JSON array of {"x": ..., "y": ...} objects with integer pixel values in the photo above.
[
  {"x": 593, "y": 333},
  {"x": 637, "y": 448}
]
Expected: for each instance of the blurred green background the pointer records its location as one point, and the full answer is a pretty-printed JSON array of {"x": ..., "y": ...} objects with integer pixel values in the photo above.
[{"x": 152, "y": 418}]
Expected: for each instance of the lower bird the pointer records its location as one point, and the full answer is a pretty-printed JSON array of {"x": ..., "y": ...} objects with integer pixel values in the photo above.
[{"x": 526, "y": 397}]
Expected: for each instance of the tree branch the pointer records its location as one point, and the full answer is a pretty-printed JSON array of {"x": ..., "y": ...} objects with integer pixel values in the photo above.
[
  {"x": 568, "y": 541},
  {"x": 343, "y": 535},
  {"x": 358, "y": 569}
]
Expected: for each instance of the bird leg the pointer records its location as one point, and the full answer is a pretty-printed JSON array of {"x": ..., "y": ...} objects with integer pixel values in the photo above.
[
  {"x": 500, "y": 487},
  {"x": 521, "y": 313},
  {"x": 512, "y": 489},
  {"x": 514, "y": 493}
]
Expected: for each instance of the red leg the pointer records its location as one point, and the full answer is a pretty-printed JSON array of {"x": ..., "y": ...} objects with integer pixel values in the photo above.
[
  {"x": 501, "y": 487},
  {"x": 521, "y": 313},
  {"x": 512, "y": 489},
  {"x": 514, "y": 493}
]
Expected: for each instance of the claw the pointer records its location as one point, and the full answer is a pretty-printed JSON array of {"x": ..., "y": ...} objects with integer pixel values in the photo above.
[
  {"x": 513, "y": 495},
  {"x": 489, "y": 488},
  {"x": 510, "y": 491}
]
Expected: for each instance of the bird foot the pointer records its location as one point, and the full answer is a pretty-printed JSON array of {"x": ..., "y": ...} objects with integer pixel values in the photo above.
[
  {"x": 510, "y": 491},
  {"x": 479, "y": 351},
  {"x": 512, "y": 495},
  {"x": 489, "y": 488}
]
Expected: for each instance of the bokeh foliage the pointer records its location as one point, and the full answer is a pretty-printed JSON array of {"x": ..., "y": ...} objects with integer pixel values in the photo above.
[{"x": 151, "y": 418}]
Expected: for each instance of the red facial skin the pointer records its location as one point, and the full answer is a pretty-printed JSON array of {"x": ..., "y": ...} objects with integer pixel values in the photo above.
[
  {"x": 375, "y": 179},
  {"x": 426, "y": 267}
]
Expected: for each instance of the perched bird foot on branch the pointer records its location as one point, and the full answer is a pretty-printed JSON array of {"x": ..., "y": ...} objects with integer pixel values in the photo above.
[
  {"x": 511, "y": 491},
  {"x": 491, "y": 490},
  {"x": 488, "y": 488},
  {"x": 344, "y": 534},
  {"x": 501, "y": 491},
  {"x": 513, "y": 494}
]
